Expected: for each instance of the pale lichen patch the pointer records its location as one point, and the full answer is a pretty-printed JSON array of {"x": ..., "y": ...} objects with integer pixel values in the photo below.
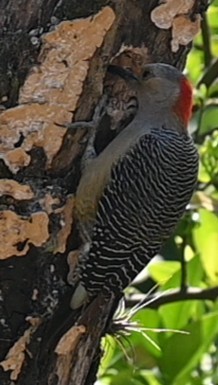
[
  {"x": 15, "y": 357},
  {"x": 16, "y": 230},
  {"x": 69, "y": 340},
  {"x": 51, "y": 91},
  {"x": 16, "y": 159},
  {"x": 36, "y": 124},
  {"x": 65, "y": 349},
  {"x": 176, "y": 14},
  {"x": 184, "y": 31},
  {"x": 16, "y": 190},
  {"x": 164, "y": 14}
]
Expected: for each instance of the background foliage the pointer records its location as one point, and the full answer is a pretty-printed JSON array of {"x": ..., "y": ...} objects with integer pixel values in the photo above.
[{"x": 189, "y": 260}]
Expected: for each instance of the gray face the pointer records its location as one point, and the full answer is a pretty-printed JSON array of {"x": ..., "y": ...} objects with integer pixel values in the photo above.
[
  {"x": 159, "y": 81},
  {"x": 157, "y": 89}
]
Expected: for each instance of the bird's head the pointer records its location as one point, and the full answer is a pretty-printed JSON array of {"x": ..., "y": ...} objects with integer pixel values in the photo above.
[{"x": 161, "y": 87}]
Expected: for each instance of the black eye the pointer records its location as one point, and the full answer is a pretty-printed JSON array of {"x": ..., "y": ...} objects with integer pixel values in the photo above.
[{"x": 146, "y": 74}]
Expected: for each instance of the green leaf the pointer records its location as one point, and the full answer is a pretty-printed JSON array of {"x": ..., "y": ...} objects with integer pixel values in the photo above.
[
  {"x": 181, "y": 353},
  {"x": 194, "y": 274},
  {"x": 147, "y": 318},
  {"x": 209, "y": 119},
  {"x": 206, "y": 242},
  {"x": 108, "y": 345},
  {"x": 215, "y": 3},
  {"x": 161, "y": 272},
  {"x": 195, "y": 64},
  {"x": 125, "y": 377},
  {"x": 212, "y": 15},
  {"x": 213, "y": 90},
  {"x": 176, "y": 315},
  {"x": 203, "y": 175},
  {"x": 195, "y": 271}
]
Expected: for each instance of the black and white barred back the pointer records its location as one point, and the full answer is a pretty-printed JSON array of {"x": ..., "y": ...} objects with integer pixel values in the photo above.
[{"x": 147, "y": 195}]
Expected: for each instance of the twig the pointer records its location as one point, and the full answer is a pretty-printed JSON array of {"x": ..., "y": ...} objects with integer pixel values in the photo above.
[
  {"x": 206, "y": 40},
  {"x": 210, "y": 75},
  {"x": 183, "y": 284},
  {"x": 174, "y": 296}
]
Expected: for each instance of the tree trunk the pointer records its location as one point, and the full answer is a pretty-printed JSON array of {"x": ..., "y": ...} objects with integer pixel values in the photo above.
[{"x": 53, "y": 63}]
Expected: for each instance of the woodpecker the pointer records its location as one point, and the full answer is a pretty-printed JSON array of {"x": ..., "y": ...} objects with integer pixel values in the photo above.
[{"x": 133, "y": 194}]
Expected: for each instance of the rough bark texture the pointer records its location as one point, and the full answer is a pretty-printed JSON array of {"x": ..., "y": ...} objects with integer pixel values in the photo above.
[{"x": 52, "y": 71}]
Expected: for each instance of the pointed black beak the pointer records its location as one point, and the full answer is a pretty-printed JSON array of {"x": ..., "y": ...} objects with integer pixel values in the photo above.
[{"x": 122, "y": 72}]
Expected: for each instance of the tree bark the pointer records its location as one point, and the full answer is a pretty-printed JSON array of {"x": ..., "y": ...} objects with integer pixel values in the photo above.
[{"x": 53, "y": 63}]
